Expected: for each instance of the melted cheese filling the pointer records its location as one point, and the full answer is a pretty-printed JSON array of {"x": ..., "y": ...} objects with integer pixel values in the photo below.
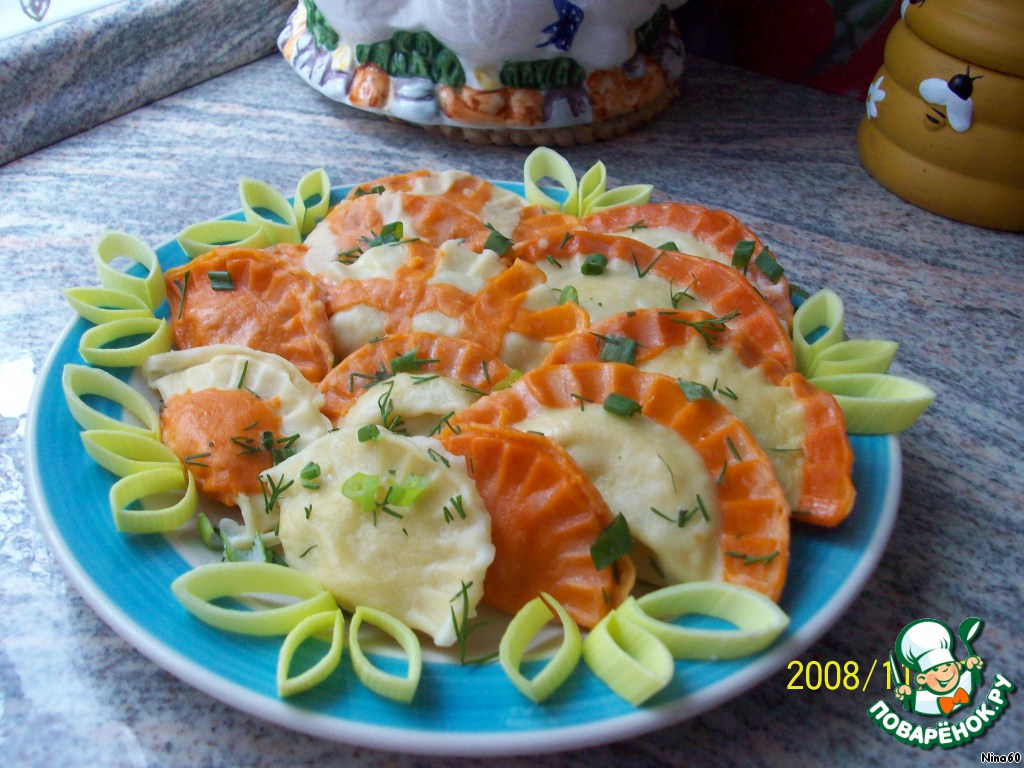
[
  {"x": 772, "y": 413},
  {"x": 640, "y": 466}
]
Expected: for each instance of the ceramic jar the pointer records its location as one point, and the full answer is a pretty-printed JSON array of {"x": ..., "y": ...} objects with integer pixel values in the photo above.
[
  {"x": 944, "y": 122},
  {"x": 501, "y": 71}
]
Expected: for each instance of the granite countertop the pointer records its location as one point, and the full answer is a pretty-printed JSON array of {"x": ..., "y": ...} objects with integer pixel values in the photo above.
[{"x": 779, "y": 156}]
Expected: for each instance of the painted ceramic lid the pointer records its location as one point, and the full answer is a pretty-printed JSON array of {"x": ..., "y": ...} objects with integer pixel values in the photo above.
[{"x": 491, "y": 66}]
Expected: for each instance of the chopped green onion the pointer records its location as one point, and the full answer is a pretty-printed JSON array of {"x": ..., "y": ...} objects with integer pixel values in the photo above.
[
  {"x": 742, "y": 253},
  {"x": 406, "y": 494},
  {"x": 362, "y": 487},
  {"x": 617, "y": 349},
  {"x": 408, "y": 362},
  {"x": 695, "y": 391},
  {"x": 368, "y": 432},
  {"x": 257, "y": 553},
  {"x": 221, "y": 281},
  {"x": 594, "y": 264},
  {"x": 309, "y": 626},
  {"x": 497, "y": 242},
  {"x": 567, "y": 294},
  {"x": 524, "y": 626},
  {"x": 621, "y": 405},
  {"x": 385, "y": 684},
  {"x": 377, "y": 190},
  {"x": 614, "y": 542},
  {"x": 350, "y": 256},
  {"x": 668, "y": 245},
  {"x": 769, "y": 267},
  {"x": 208, "y": 534},
  {"x": 509, "y": 380},
  {"x": 390, "y": 234}
]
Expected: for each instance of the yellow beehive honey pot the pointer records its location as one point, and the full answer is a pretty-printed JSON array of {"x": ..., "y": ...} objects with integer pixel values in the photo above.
[{"x": 944, "y": 122}]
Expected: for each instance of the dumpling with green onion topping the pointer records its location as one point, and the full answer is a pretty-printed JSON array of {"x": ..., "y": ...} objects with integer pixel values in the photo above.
[
  {"x": 390, "y": 522},
  {"x": 230, "y": 412}
]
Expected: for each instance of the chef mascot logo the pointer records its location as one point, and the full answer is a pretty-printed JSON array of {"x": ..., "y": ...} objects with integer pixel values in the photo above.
[
  {"x": 928, "y": 681},
  {"x": 943, "y": 685}
]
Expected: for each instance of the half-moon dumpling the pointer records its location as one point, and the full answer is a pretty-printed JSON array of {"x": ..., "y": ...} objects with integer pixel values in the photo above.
[
  {"x": 230, "y": 412},
  {"x": 390, "y": 522}
]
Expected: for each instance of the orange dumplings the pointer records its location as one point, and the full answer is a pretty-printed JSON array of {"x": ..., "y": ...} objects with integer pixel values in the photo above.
[
  {"x": 545, "y": 516},
  {"x": 253, "y": 298}
]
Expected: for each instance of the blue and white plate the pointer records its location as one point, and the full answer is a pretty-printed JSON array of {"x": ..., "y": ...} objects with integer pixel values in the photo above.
[{"x": 458, "y": 710}]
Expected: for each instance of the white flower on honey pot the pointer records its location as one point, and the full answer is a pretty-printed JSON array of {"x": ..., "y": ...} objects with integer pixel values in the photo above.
[
  {"x": 953, "y": 94},
  {"x": 875, "y": 95}
]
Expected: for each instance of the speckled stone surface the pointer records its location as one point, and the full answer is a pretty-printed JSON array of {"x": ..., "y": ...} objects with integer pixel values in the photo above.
[
  {"x": 779, "y": 156},
  {"x": 72, "y": 75}
]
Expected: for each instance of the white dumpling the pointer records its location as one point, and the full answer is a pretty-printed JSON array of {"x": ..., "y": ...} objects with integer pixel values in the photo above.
[
  {"x": 414, "y": 562},
  {"x": 652, "y": 476},
  {"x": 773, "y": 413},
  {"x": 225, "y": 366},
  {"x": 228, "y": 367},
  {"x": 420, "y": 402}
]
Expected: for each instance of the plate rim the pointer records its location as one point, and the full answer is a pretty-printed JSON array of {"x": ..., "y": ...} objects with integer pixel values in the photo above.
[{"x": 429, "y": 741}]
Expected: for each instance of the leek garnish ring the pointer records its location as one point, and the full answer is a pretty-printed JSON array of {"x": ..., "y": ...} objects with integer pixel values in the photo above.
[
  {"x": 81, "y": 380},
  {"x": 627, "y": 658},
  {"x": 524, "y": 626},
  {"x": 159, "y": 338},
  {"x": 542, "y": 163},
  {"x": 124, "y": 453},
  {"x": 631, "y": 194},
  {"x": 872, "y": 401},
  {"x": 757, "y": 619},
  {"x": 197, "y": 239},
  {"x": 197, "y": 587},
  {"x": 854, "y": 356},
  {"x": 380, "y": 682},
  {"x": 113, "y": 244},
  {"x": 588, "y": 195},
  {"x": 877, "y": 403},
  {"x": 823, "y": 309},
  {"x": 257, "y": 195},
  {"x": 102, "y": 305},
  {"x": 324, "y": 668},
  {"x": 593, "y": 184},
  {"x": 316, "y": 184},
  {"x": 138, "y": 486}
]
